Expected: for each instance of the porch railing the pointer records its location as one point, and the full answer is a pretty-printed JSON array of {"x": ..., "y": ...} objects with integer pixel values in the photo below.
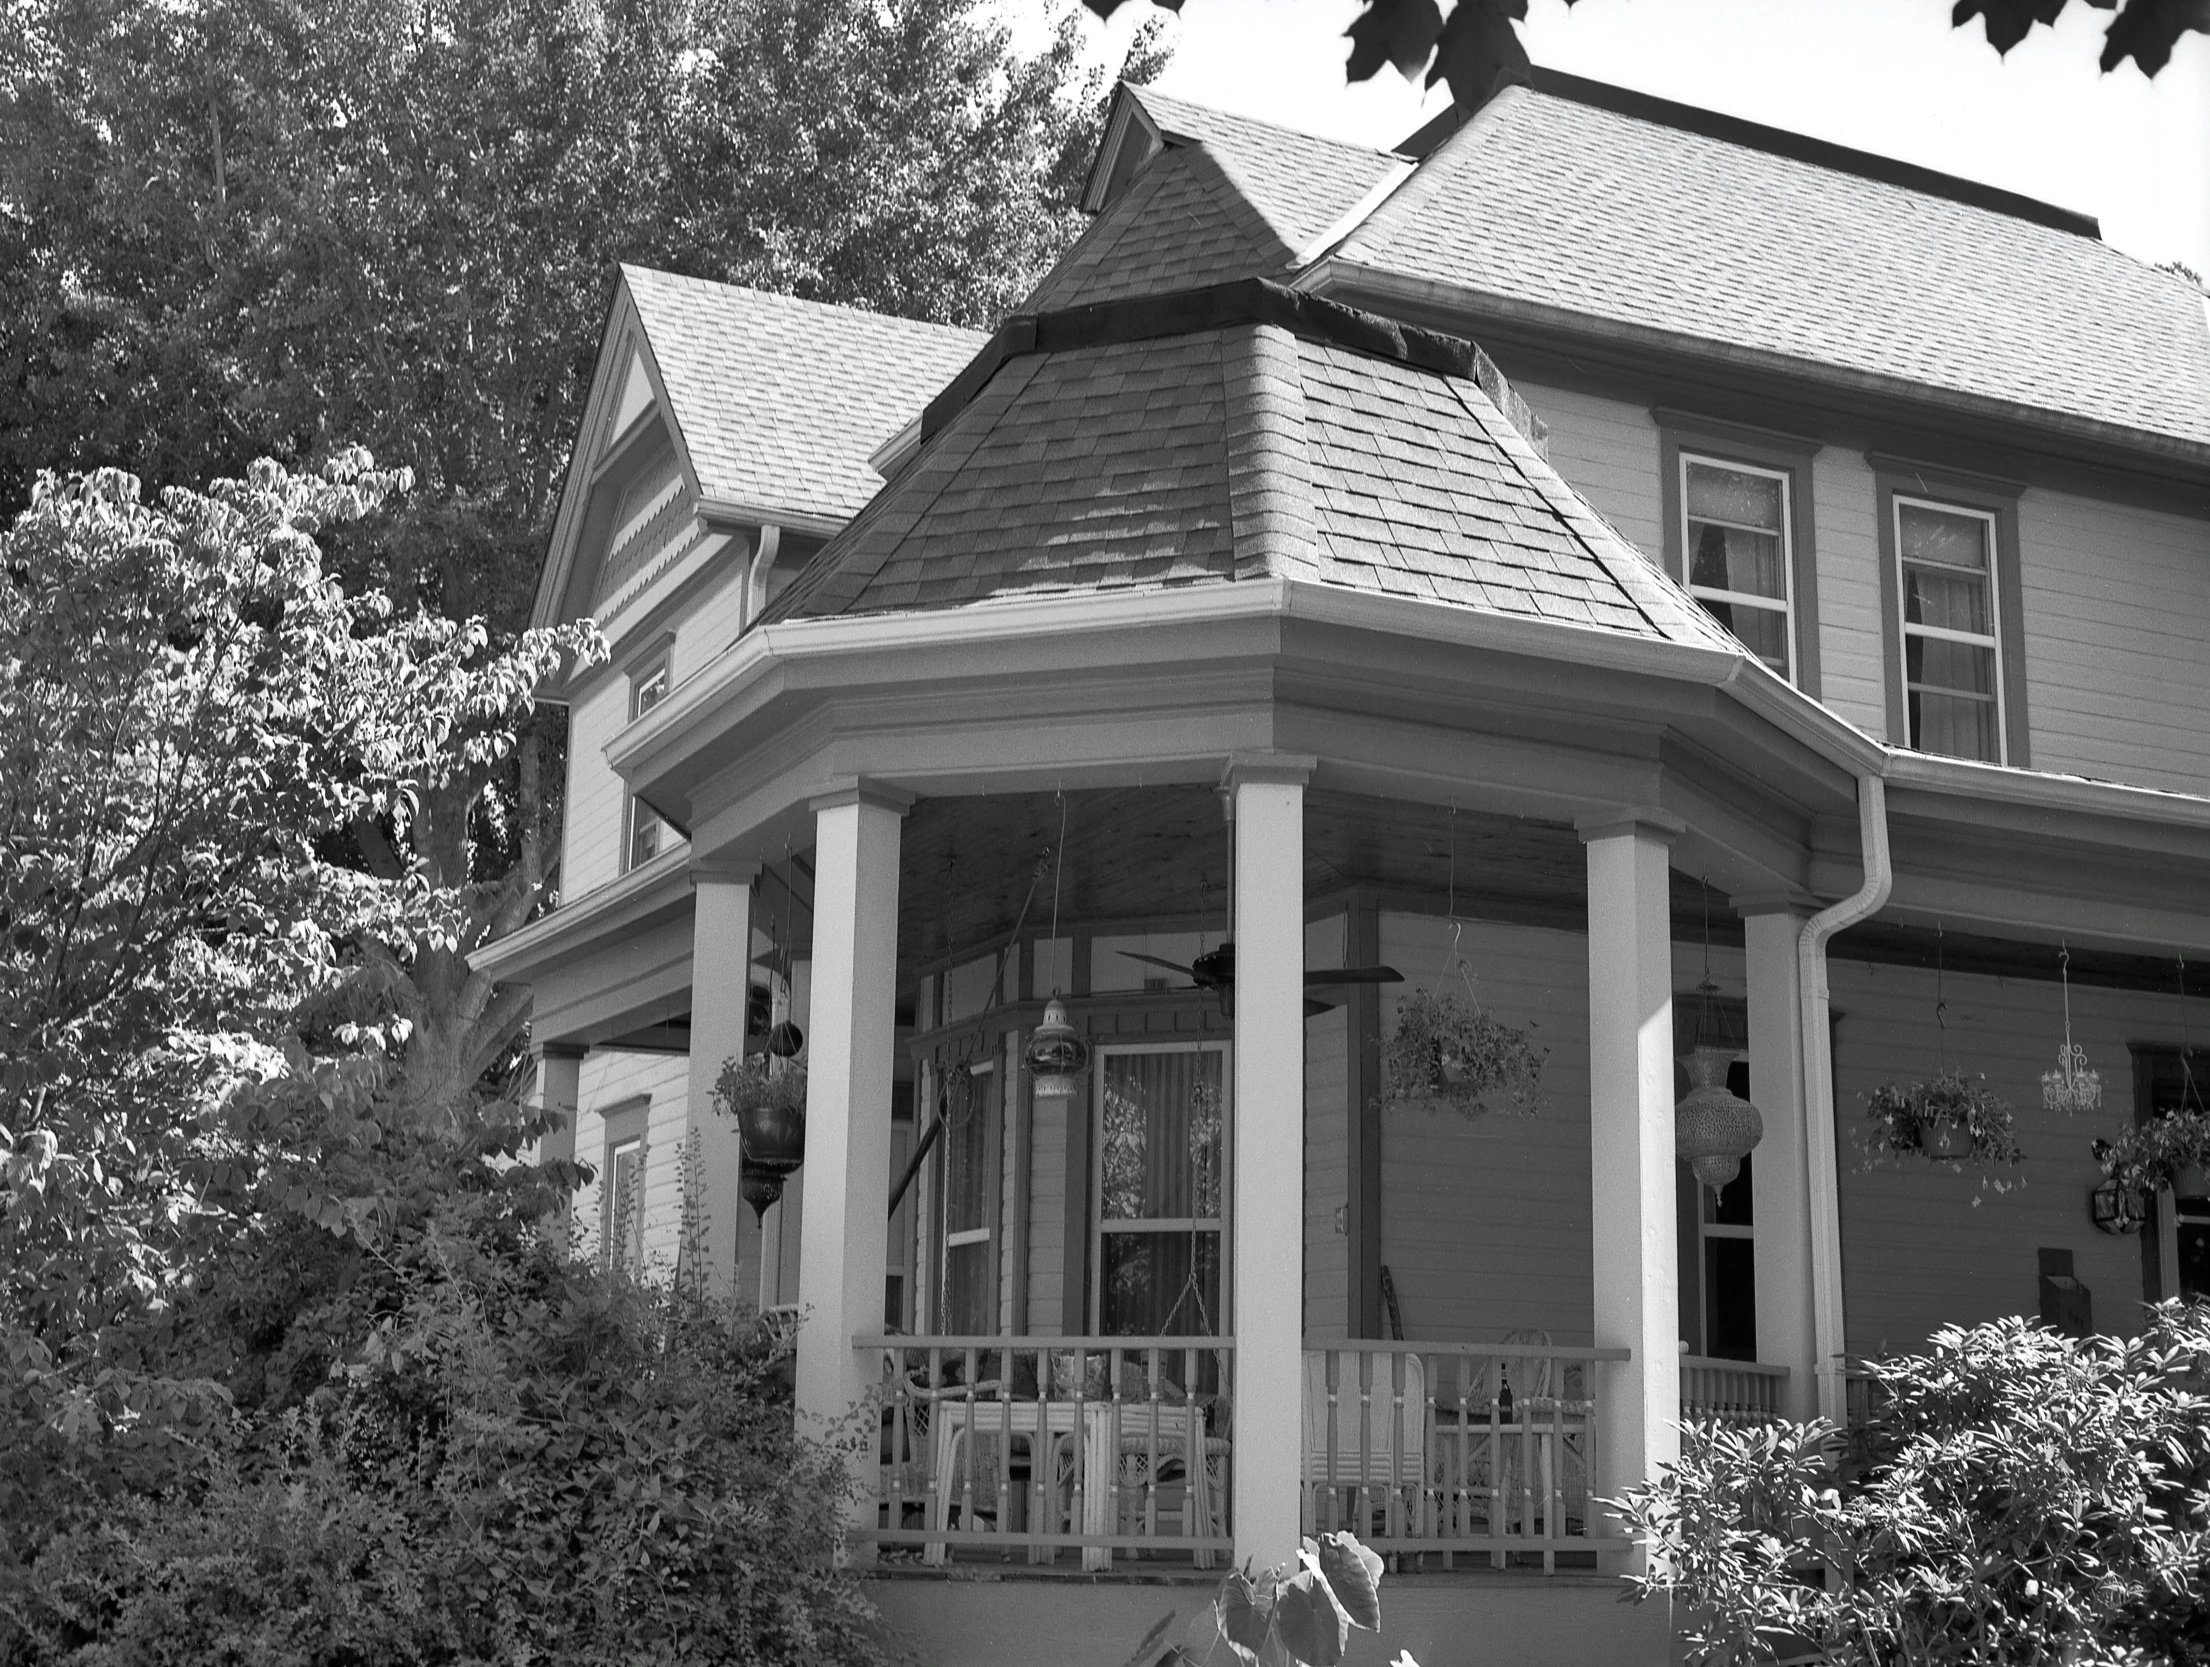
[
  {"x": 1737, "y": 1392},
  {"x": 1452, "y": 1448},
  {"x": 1042, "y": 1445}
]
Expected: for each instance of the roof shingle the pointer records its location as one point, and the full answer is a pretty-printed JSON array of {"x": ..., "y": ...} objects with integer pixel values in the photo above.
[
  {"x": 780, "y": 402},
  {"x": 1551, "y": 202}
]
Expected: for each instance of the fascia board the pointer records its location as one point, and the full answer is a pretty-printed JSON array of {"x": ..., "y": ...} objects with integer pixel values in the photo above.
[
  {"x": 2034, "y": 790},
  {"x": 641, "y": 898},
  {"x": 718, "y": 512},
  {"x": 575, "y": 491},
  {"x": 1337, "y": 276}
]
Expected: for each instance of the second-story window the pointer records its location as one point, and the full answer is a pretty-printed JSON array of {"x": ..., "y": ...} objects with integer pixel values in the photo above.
[
  {"x": 1952, "y": 664},
  {"x": 644, "y": 835},
  {"x": 1739, "y": 566}
]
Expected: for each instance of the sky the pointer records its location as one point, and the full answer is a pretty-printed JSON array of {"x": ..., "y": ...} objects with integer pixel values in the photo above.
[{"x": 1889, "y": 76}]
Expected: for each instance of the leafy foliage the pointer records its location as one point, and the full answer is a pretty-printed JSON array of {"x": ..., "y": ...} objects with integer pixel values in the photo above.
[
  {"x": 2015, "y": 1496},
  {"x": 2146, "y": 1156},
  {"x": 1916, "y": 1119},
  {"x": 1298, "y": 1615},
  {"x": 1447, "y": 1054},
  {"x": 1477, "y": 49},
  {"x": 760, "y": 1081}
]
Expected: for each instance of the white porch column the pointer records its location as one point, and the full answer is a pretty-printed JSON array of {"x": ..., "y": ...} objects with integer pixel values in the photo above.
[
  {"x": 559, "y": 1091},
  {"x": 721, "y": 969},
  {"x": 843, "y": 1230},
  {"x": 1780, "y": 1176},
  {"x": 1267, "y": 1153},
  {"x": 1630, "y": 1047}
]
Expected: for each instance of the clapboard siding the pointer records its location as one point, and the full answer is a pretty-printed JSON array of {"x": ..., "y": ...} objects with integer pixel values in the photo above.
[
  {"x": 1485, "y": 1223},
  {"x": 1327, "y": 1264},
  {"x": 1923, "y": 1247},
  {"x": 2117, "y": 608},
  {"x": 716, "y": 619},
  {"x": 1608, "y": 451},
  {"x": 1845, "y": 524},
  {"x": 613, "y": 1079},
  {"x": 1047, "y": 1215},
  {"x": 592, "y": 843}
]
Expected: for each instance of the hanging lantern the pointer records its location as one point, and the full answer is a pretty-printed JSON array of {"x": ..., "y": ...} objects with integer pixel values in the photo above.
[
  {"x": 1056, "y": 1055},
  {"x": 1713, "y": 1127},
  {"x": 2116, "y": 1208}
]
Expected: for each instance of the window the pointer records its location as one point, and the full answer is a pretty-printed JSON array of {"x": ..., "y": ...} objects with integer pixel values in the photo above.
[
  {"x": 1161, "y": 1157},
  {"x": 1950, "y": 594},
  {"x": 1735, "y": 534},
  {"x": 1952, "y": 671},
  {"x": 622, "y": 1187},
  {"x": 644, "y": 835},
  {"x": 2175, "y": 1243},
  {"x": 1738, "y": 534},
  {"x": 967, "y": 1284}
]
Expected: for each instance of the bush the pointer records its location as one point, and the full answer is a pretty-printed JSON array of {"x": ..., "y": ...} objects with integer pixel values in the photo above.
[
  {"x": 2015, "y": 1496},
  {"x": 523, "y": 1460}
]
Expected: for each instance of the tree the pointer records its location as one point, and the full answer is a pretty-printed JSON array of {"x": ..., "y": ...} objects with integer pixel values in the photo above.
[
  {"x": 198, "y": 1023},
  {"x": 2014, "y": 1496},
  {"x": 1477, "y": 46},
  {"x": 241, "y": 228}
]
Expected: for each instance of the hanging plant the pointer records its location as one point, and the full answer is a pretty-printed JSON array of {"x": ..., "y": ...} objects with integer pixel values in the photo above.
[
  {"x": 2159, "y": 1153},
  {"x": 1445, "y": 1054},
  {"x": 767, "y": 1097},
  {"x": 1953, "y": 1119},
  {"x": 2071, "y": 1087}
]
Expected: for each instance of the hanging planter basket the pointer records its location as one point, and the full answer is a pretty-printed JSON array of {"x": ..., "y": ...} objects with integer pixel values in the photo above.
[
  {"x": 2072, "y": 1087},
  {"x": 767, "y": 1097},
  {"x": 2170, "y": 1151},
  {"x": 1953, "y": 1119},
  {"x": 1445, "y": 1054}
]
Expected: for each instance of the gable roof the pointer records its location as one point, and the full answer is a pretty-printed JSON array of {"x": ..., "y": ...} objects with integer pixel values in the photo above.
[
  {"x": 778, "y": 403},
  {"x": 1569, "y": 201},
  {"x": 1236, "y": 433},
  {"x": 1181, "y": 224}
]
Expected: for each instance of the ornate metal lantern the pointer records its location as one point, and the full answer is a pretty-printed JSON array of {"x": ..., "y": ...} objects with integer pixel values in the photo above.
[
  {"x": 1714, "y": 1128},
  {"x": 772, "y": 1127},
  {"x": 1056, "y": 1055},
  {"x": 2117, "y": 1208}
]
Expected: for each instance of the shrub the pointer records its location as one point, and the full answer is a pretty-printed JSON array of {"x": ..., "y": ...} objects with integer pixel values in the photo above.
[{"x": 2014, "y": 1496}]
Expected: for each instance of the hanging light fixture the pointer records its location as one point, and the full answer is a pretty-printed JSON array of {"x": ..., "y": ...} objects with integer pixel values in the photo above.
[
  {"x": 1714, "y": 1128},
  {"x": 1056, "y": 1055},
  {"x": 2116, "y": 1208},
  {"x": 2072, "y": 1086}
]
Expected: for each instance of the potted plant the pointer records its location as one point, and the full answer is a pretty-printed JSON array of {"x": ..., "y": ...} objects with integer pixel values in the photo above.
[
  {"x": 2169, "y": 1151},
  {"x": 767, "y": 1096},
  {"x": 1447, "y": 1054},
  {"x": 1953, "y": 1119}
]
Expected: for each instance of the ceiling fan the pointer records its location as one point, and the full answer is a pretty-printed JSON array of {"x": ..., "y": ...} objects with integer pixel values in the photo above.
[{"x": 1215, "y": 970}]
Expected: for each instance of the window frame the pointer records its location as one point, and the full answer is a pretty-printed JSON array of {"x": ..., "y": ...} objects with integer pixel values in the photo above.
[
  {"x": 1684, "y": 437},
  {"x": 2160, "y": 1233},
  {"x": 624, "y": 1125},
  {"x": 1095, "y": 1314},
  {"x": 990, "y": 1102},
  {"x": 1897, "y": 482},
  {"x": 656, "y": 664}
]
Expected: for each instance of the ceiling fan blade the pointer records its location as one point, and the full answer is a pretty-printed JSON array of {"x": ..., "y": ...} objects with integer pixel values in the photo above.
[
  {"x": 1356, "y": 975},
  {"x": 1155, "y": 961},
  {"x": 1314, "y": 1007}
]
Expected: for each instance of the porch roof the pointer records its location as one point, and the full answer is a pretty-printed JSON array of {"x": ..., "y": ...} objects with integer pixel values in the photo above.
[{"x": 1231, "y": 434}]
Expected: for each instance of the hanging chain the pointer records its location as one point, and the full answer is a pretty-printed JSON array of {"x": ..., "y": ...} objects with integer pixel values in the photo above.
[{"x": 1941, "y": 1005}]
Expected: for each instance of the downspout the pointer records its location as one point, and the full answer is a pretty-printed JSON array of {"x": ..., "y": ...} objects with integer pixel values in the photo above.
[
  {"x": 1818, "y": 1097},
  {"x": 755, "y": 579}
]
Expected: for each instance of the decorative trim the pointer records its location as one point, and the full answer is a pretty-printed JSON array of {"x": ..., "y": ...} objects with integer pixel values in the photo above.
[
  {"x": 1635, "y": 819},
  {"x": 1937, "y": 478},
  {"x": 1279, "y": 769},
  {"x": 723, "y": 871},
  {"x": 853, "y": 791}
]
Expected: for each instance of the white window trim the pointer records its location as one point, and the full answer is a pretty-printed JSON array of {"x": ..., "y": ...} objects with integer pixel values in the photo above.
[
  {"x": 1184, "y": 1224},
  {"x": 1785, "y": 604},
  {"x": 657, "y": 669},
  {"x": 1992, "y": 642},
  {"x": 978, "y": 1070}
]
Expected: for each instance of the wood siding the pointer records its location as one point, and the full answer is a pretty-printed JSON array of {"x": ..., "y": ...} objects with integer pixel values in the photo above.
[
  {"x": 1923, "y": 1247},
  {"x": 1327, "y": 1247},
  {"x": 1608, "y": 450},
  {"x": 592, "y": 839},
  {"x": 615, "y": 1079}
]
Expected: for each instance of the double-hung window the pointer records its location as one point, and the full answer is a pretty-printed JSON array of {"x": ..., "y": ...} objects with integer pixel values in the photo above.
[
  {"x": 1739, "y": 534},
  {"x": 1952, "y": 660},
  {"x": 1953, "y": 622},
  {"x": 622, "y": 1186},
  {"x": 1735, "y": 535},
  {"x": 644, "y": 835}
]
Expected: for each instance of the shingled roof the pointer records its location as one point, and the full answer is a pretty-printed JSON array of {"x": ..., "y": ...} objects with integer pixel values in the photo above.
[
  {"x": 1237, "y": 433},
  {"x": 1577, "y": 208},
  {"x": 781, "y": 402}
]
